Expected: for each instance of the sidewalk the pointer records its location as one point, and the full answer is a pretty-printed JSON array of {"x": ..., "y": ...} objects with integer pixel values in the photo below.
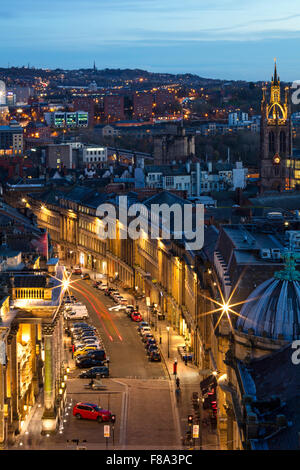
[
  {"x": 189, "y": 382},
  {"x": 188, "y": 375}
]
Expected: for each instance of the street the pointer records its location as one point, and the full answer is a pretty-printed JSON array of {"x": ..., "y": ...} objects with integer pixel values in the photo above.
[{"x": 138, "y": 392}]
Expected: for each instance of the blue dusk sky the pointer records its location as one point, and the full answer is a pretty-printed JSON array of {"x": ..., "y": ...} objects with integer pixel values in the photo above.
[{"x": 228, "y": 39}]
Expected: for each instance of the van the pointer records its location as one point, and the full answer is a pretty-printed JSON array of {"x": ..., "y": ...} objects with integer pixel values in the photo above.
[{"x": 76, "y": 315}]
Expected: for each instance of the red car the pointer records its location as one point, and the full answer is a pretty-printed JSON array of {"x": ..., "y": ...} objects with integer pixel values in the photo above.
[
  {"x": 91, "y": 411},
  {"x": 136, "y": 316}
]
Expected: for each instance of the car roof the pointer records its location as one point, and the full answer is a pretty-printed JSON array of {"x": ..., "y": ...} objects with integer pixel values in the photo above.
[{"x": 85, "y": 403}]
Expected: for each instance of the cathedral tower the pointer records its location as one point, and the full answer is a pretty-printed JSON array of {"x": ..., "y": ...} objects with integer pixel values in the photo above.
[{"x": 275, "y": 139}]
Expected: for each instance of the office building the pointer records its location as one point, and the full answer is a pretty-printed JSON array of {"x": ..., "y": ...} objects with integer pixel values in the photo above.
[
  {"x": 68, "y": 120},
  {"x": 11, "y": 139},
  {"x": 2, "y": 93}
]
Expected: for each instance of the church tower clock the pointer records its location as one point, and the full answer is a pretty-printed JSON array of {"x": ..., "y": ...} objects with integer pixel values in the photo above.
[{"x": 276, "y": 139}]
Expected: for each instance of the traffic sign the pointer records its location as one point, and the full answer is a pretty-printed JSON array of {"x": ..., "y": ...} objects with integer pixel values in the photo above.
[
  {"x": 107, "y": 430},
  {"x": 195, "y": 431}
]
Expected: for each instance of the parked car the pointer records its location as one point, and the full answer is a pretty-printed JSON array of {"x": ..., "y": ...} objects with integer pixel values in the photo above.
[
  {"x": 77, "y": 270},
  {"x": 79, "y": 333},
  {"x": 77, "y": 325},
  {"x": 130, "y": 308},
  {"x": 102, "y": 287},
  {"x": 99, "y": 355},
  {"x": 84, "y": 327},
  {"x": 76, "y": 315},
  {"x": 144, "y": 330},
  {"x": 115, "y": 295},
  {"x": 136, "y": 316},
  {"x": 85, "y": 276},
  {"x": 147, "y": 336},
  {"x": 151, "y": 348},
  {"x": 90, "y": 411},
  {"x": 149, "y": 342},
  {"x": 109, "y": 290},
  {"x": 92, "y": 373},
  {"x": 155, "y": 356},
  {"x": 84, "y": 350},
  {"x": 141, "y": 325},
  {"x": 84, "y": 362},
  {"x": 130, "y": 312},
  {"x": 92, "y": 341}
]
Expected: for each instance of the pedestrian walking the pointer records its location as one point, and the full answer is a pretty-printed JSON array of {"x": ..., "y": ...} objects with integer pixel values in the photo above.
[
  {"x": 178, "y": 382},
  {"x": 185, "y": 360}
]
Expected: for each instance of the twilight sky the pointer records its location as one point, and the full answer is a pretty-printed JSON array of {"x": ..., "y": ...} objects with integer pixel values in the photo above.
[{"x": 230, "y": 39}]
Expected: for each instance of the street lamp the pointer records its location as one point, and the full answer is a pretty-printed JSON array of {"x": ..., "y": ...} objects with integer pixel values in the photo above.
[{"x": 168, "y": 330}]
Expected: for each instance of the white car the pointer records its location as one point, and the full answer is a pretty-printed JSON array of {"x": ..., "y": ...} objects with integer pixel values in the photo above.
[
  {"x": 79, "y": 308},
  {"x": 144, "y": 330},
  {"x": 102, "y": 287},
  {"x": 79, "y": 315}
]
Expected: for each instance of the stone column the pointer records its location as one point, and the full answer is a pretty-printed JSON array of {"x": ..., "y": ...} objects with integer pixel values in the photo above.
[
  {"x": 2, "y": 401},
  {"x": 14, "y": 424},
  {"x": 34, "y": 361},
  {"x": 49, "y": 417}
]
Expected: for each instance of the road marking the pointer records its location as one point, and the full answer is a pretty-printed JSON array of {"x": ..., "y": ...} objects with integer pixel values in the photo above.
[
  {"x": 176, "y": 418},
  {"x": 103, "y": 311},
  {"x": 124, "y": 414}
]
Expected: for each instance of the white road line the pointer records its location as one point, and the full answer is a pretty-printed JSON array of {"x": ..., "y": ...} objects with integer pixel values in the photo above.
[
  {"x": 176, "y": 418},
  {"x": 124, "y": 414}
]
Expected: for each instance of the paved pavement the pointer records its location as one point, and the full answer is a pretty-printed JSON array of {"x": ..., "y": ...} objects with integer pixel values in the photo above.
[{"x": 189, "y": 382}]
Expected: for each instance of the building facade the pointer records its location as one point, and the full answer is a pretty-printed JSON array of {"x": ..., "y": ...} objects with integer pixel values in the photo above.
[
  {"x": 192, "y": 291},
  {"x": 11, "y": 139},
  {"x": 32, "y": 360}
]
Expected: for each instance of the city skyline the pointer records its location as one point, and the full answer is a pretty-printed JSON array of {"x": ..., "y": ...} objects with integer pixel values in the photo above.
[{"x": 224, "y": 40}]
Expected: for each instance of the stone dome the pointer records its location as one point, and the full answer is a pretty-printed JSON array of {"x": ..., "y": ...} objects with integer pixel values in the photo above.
[{"x": 273, "y": 309}]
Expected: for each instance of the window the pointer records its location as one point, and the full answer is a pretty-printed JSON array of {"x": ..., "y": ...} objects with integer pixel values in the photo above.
[
  {"x": 282, "y": 142},
  {"x": 169, "y": 181},
  {"x": 271, "y": 142}
]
